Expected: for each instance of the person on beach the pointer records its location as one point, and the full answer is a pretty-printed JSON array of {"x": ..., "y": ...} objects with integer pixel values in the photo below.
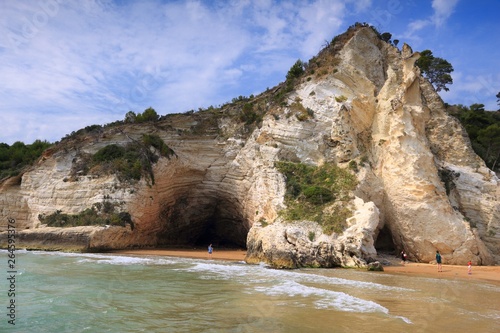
[
  {"x": 403, "y": 257},
  {"x": 469, "y": 267},
  {"x": 210, "y": 250},
  {"x": 438, "y": 260}
]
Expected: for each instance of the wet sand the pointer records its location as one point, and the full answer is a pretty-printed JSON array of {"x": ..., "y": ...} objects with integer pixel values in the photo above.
[
  {"x": 488, "y": 273},
  {"x": 485, "y": 273},
  {"x": 223, "y": 254}
]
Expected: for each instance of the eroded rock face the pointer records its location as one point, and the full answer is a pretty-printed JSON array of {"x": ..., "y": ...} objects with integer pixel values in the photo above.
[
  {"x": 397, "y": 121},
  {"x": 303, "y": 243},
  {"x": 421, "y": 187},
  {"x": 210, "y": 192}
]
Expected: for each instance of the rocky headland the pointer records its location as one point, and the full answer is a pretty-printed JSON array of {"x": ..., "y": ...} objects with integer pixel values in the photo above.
[{"x": 360, "y": 105}]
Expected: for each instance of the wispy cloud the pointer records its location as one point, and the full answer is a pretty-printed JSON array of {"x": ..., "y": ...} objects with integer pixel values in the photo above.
[
  {"x": 66, "y": 64},
  {"x": 360, "y": 5},
  {"x": 95, "y": 60},
  {"x": 442, "y": 10},
  {"x": 471, "y": 89},
  {"x": 417, "y": 25}
]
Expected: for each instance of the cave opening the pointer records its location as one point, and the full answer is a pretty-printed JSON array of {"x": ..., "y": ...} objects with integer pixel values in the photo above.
[
  {"x": 215, "y": 233},
  {"x": 385, "y": 242},
  {"x": 196, "y": 222}
]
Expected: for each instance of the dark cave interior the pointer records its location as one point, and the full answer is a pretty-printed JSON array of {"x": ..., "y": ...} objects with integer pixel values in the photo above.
[{"x": 192, "y": 222}]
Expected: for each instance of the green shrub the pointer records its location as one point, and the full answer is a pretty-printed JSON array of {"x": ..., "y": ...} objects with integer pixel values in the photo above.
[
  {"x": 104, "y": 213},
  {"x": 310, "y": 112},
  {"x": 300, "y": 111},
  {"x": 483, "y": 128},
  {"x": 153, "y": 140},
  {"x": 292, "y": 77},
  {"x": 448, "y": 178},
  {"x": 340, "y": 99},
  {"x": 296, "y": 70},
  {"x": 311, "y": 191},
  {"x": 317, "y": 195},
  {"x": 148, "y": 115},
  {"x": 130, "y": 162},
  {"x": 14, "y": 158},
  {"x": 353, "y": 165},
  {"x": 248, "y": 115},
  {"x": 364, "y": 160},
  {"x": 109, "y": 153}
]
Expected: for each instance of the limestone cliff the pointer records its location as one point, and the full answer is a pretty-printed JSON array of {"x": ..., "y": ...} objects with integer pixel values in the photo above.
[{"x": 420, "y": 186}]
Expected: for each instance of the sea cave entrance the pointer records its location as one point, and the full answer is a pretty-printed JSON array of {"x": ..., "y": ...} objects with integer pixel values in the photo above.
[
  {"x": 198, "y": 220},
  {"x": 385, "y": 242}
]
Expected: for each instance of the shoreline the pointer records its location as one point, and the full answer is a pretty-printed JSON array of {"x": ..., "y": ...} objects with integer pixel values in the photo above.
[
  {"x": 479, "y": 273},
  {"x": 222, "y": 254}
]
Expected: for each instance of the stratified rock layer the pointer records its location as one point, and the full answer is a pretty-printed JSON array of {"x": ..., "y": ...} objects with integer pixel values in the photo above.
[{"x": 222, "y": 186}]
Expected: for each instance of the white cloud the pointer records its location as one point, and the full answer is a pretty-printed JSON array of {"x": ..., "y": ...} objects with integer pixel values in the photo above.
[
  {"x": 91, "y": 61},
  {"x": 442, "y": 10},
  {"x": 318, "y": 24},
  {"x": 417, "y": 25},
  {"x": 69, "y": 63},
  {"x": 66, "y": 64},
  {"x": 469, "y": 89},
  {"x": 360, "y": 5}
]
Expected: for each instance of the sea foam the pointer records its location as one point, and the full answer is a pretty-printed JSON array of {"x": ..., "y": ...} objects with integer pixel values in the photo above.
[
  {"x": 325, "y": 299},
  {"x": 257, "y": 273}
]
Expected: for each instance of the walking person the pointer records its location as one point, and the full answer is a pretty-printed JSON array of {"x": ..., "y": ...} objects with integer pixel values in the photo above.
[
  {"x": 210, "y": 250},
  {"x": 469, "y": 267},
  {"x": 403, "y": 257},
  {"x": 439, "y": 260}
]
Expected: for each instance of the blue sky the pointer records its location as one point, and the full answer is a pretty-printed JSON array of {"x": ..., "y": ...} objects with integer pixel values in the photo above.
[{"x": 67, "y": 64}]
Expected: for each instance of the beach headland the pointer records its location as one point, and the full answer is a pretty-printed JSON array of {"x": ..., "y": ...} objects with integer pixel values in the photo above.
[{"x": 484, "y": 273}]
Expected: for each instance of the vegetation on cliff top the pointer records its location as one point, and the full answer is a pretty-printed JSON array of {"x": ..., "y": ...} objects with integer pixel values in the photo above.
[
  {"x": 483, "y": 128},
  {"x": 149, "y": 115},
  {"x": 13, "y": 159},
  {"x": 317, "y": 193},
  {"x": 436, "y": 70},
  {"x": 129, "y": 162}
]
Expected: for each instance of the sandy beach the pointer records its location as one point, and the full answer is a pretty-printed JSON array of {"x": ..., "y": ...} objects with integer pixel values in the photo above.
[
  {"x": 232, "y": 255},
  {"x": 486, "y": 273}
]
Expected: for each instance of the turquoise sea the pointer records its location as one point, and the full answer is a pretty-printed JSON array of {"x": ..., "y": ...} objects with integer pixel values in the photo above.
[{"x": 64, "y": 292}]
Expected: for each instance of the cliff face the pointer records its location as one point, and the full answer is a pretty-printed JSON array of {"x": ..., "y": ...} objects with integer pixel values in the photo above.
[{"x": 420, "y": 187}]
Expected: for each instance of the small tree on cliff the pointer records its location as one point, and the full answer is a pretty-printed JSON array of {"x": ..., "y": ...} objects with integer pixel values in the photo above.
[
  {"x": 130, "y": 117},
  {"x": 498, "y": 99},
  {"x": 148, "y": 115},
  {"x": 386, "y": 37},
  {"x": 296, "y": 70},
  {"x": 436, "y": 70}
]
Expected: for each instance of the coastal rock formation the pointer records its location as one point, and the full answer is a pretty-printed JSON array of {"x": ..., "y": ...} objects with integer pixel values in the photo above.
[
  {"x": 303, "y": 243},
  {"x": 420, "y": 188}
]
